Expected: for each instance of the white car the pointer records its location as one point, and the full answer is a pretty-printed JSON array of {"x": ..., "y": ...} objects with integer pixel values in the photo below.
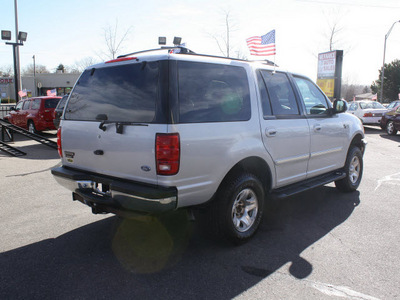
[{"x": 369, "y": 112}]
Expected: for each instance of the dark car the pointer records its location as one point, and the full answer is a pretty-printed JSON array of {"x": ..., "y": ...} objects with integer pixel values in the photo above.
[
  {"x": 35, "y": 114},
  {"x": 59, "y": 110},
  {"x": 393, "y": 105},
  {"x": 391, "y": 121}
]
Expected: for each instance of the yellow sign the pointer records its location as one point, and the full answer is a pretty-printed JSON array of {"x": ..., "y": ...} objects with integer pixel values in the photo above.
[{"x": 327, "y": 86}]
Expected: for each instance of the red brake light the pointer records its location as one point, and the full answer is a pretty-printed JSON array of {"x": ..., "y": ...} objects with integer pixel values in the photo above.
[
  {"x": 59, "y": 142},
  {"x": 120, "y": 59},
  {"x": 167, "y": 153},
  {"x": 368, "y": 114}
]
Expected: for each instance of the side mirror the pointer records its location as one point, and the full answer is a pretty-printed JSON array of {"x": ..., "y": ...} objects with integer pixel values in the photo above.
[
  {"x": 12, "y": 108},
  {"x": 339, "y": 106}
]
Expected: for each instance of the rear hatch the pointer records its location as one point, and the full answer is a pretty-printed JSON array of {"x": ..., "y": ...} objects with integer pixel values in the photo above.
[
  {"x": 112, "y": 117},
  {"x": 50, "y": 105}
]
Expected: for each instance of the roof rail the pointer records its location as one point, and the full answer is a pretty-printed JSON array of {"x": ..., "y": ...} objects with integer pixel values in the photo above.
[{"x": 184, "y": 50}]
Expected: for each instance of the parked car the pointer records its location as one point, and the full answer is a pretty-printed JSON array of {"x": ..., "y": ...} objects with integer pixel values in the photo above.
[
  {"x": 59, "y": 110},
  {"x": 369, "y": 112},
  {"x": 393, "y": 105},
  {"x": 155, "y": 131},
  {"x": 35, "y": 114},
  {"x": 391, "y": 121}
]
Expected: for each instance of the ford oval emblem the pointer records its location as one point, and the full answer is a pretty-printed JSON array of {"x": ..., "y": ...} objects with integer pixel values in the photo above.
[{"x": 145, "y": 168}]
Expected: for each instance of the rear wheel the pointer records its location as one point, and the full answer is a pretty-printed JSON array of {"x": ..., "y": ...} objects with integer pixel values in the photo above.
[
  {"x": 390, "y": 128},
  {"x": 31, "y": 127},
  {"x": 237, "y": 212},
  {"x": 353, "y": 169}
]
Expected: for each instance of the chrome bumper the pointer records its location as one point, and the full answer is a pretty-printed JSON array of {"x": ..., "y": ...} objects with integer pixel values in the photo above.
[{"x": 108, "y": 194}]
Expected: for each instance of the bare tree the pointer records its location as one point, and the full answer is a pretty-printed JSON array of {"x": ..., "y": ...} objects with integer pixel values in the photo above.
[
  {"x": 113, "y": 39},
  {"x": 38, "y": 68},
  {"x": 6, "y": 71},
  {"x": 82, "y": 64},
  {"x": 223, "y": 39}
]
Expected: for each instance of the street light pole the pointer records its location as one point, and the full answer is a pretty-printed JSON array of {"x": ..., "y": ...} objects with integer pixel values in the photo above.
[
  {"x": 34, "y": 76},
  {"x": 384, "y": 52},
  {"x": 18, "y": 68}
]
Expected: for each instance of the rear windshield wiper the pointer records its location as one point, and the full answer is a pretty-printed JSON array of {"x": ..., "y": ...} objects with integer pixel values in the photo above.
[{"x": 118, "y": 125}]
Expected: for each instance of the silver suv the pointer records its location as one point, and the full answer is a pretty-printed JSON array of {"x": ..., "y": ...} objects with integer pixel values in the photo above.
[{"x": 156, "y": 131}]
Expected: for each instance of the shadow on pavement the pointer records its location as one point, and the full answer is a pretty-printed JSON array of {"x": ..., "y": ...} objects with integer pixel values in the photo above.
[{"x": 168, "y": 257}]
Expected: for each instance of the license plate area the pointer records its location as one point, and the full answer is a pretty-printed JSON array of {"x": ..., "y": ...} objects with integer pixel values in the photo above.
[{"x": 97, "y": 188}]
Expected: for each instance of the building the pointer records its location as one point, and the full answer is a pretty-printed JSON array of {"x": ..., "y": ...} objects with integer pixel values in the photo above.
[{"x": 39, "y": 84}]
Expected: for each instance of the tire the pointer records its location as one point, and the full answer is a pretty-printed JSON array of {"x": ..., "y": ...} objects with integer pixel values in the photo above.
[
  {"x": 353, "y": 169},
  {"x": 238, "y": 209},
  {"x": 31, "y": 127},
  {"x": 390, "y": 128}
]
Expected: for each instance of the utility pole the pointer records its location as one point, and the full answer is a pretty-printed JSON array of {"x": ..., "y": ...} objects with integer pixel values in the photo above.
[{"x": 384, "y": 52}]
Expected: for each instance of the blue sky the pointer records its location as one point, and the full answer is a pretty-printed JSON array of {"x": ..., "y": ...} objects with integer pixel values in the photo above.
[{"x": 69, "y": 31}]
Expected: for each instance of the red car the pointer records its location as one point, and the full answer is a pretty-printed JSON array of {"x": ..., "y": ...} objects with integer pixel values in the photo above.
[
  {"x": 391, "y": 121},
  {"x": 35, "y": 114}
]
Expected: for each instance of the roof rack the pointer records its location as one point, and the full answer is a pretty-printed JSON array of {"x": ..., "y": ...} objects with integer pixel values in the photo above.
[{"x": 184, "y": 50}]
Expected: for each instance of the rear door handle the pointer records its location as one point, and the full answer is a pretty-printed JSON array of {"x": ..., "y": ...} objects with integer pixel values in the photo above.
[
  {"x": 317, "y": 127},
  {"x": 271, "y": 132}
]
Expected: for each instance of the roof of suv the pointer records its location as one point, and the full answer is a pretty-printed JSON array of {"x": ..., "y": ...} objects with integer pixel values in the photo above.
[{"x": 184, "y": 54}]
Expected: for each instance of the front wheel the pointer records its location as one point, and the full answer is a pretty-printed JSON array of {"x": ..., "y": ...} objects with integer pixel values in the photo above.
[
  {"x": 353, "y": 169},
  {"x": 238, "y": 209},
  {"x": 390, "y": 128}
]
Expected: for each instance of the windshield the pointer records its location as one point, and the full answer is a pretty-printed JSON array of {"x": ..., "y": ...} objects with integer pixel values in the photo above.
[
  {"x": 126, "y": 93},
  {"x": 371, "y": 105}
]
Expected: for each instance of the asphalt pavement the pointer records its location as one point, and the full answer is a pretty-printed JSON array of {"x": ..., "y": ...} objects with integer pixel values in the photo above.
[{"x": 321, "y": 244}]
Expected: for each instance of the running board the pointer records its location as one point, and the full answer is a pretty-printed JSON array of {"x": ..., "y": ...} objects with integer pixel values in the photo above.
[
  {"x": 11, "y": 150},
  {"x": 308, "y": 184}
]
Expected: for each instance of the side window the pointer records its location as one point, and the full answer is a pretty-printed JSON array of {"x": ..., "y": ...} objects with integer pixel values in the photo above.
[
  {"x": 280, "y": 92},
  {"x": 353, "y": 106},
  {"x": 212, "y": 93},
  {"x": 265, "y": 102},
  {"x": 19, "y": 105},
  {"x": 313, "y": 99},
  {"x": 26, "y": 105},
  {"x": 36, "y": 104}
]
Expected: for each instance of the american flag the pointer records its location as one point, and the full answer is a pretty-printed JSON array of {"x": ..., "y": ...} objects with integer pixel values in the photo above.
[
  {"x": 52, "y": 92},
  {"x": 262, "y": 45}
]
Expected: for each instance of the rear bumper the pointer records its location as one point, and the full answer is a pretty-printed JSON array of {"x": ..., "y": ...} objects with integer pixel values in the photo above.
[
  {"x": 121, "y": 197},
  {"x": 44, "y": 125}
]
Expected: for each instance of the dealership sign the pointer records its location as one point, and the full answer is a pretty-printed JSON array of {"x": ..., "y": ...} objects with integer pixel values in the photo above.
[
  {"x": 6, "y": 80},
  {"x": 329, "y": 76}
]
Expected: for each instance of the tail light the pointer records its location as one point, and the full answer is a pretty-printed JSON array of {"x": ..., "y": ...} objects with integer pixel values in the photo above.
[
  {"x": 59, "y": 142},
  {"x": 367, "y": 115},
  {"x": 167, "y": 153}
]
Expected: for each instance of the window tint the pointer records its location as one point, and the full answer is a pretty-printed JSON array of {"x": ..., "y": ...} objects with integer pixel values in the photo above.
[
  {"x": 19, "y": 105},
  {"x": 280, "y": 93},
  {"x": 126, "y": 93},
  {"x": 51, "y": 103},
  {"x": 35, "y": 104},
  {"x": 212, "y": 93},
  {"x": 26, "y": 104},
  {"x": 265, "y": 103},
  {"x": 62, "y": 102},
  {"x": 314, "y": 100},
  {"x": 353, "y": 106},
  {"x": 371, "y": 105}
]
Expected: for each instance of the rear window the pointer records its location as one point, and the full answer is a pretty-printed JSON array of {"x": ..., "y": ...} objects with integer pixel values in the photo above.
[
  {"x": 51, "y": 103},
  {"x": 212, "y": 93},
  {"x": 126, "y": 93}
]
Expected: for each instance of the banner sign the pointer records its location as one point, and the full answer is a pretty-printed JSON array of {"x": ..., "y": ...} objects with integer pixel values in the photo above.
[{"x": 329, "y": 77}]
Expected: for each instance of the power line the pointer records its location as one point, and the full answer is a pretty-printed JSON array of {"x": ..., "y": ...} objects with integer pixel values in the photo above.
[{"x": 347, "y": 3}]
